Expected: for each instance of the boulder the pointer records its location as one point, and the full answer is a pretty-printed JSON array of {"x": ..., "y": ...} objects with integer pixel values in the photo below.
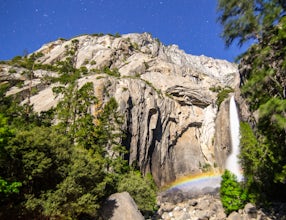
[
  {"x": 235, "y": 216},
  {"x": 120, "y": 206},
  {"x": 250, "y": 211}
]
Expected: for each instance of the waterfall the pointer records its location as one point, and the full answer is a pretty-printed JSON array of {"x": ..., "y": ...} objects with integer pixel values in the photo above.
[{"x": 232, "y": 162}]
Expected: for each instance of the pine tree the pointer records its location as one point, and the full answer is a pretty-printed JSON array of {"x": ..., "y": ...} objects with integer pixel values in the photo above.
[{"x": 248, "y": 19}]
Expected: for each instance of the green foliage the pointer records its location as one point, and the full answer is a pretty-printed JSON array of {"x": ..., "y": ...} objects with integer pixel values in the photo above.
[
  {"x": 98, "y": 34},
  {"x": 111, "y": 72},
  {"x": 222, "y": 94},
  {"x": 117, "y": 35},
  {"x": 112, "y": 35},
  {"x": 262, "y": 158},
  {"x": 93, "y": 62},
  {"x": 250, "y": 152},
  {"x": 135, "y": 46},
  {"x": 146, "y": 65},
  {"x": 66, "y": 68},
  {"x": 248, "y": 19},
  {"x": 80, "y": 192},
  {"x": 12, "y": 70},
  {"x": 26, "y": 61},
  {"x": 215, "y": 88},
  {"x": 96, "y": 155},
  {"x": 5, "y": 132},
  {"x": 62, "y": 39},
  {"x": 281, "y": 177},
  {"x": 252, "y": 157},
  {"x": 16, "y": 59},
  {"x": 141, "y": 189},
  {"x": 49, "y": 67},
  {"x": 158, "y": 40},
  {"x": 65, "y": 171},
  {"x": 205, "y": 167},
  {"x": 8, "y": 188},
  {"x": 264, "y": 88},
  {"x": 62, "y": 171},
  {"x": 273, "y": 113},
  {"x": 233, "y": 196},
  {"x": 93, "y": 171},
  {"x": 36, "y": 158},
  {"x": 34, "y": 155},
  {"x": 85, "y": 62},
  {"x": 159, "y": 92}
]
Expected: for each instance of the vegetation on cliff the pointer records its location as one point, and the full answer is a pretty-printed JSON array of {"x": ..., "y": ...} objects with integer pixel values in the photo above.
[
  {"x": 263, "y": 86},
  {"x": 65, "y": 162}
]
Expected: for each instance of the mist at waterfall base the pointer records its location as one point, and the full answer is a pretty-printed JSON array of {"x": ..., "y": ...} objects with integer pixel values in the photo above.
[{"x": 210, "y": 181}]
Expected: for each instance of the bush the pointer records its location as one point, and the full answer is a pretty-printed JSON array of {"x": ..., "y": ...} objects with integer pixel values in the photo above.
[
  {"x": 222, "y": 95},
  {"x": 142, "y": 190},
  {"x": 11, "y": 70},
  {"x": 111, "y": 72},
  {"x": 232, "y": 195}
]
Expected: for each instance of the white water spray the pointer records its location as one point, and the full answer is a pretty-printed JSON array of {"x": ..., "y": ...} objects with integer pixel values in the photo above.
[{"x": 232, "y": 162}]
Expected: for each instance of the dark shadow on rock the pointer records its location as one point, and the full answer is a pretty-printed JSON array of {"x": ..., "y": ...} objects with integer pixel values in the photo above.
[
  {"x": 107, "y": 210},
  {"x": 120, "y": 206}
]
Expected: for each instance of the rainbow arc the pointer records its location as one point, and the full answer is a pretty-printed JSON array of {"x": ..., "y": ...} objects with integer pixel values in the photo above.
[{"x": 196, "y": 181}]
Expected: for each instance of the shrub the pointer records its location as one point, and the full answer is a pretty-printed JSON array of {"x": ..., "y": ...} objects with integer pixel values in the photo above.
[
  {"x": 111, "y": 72},
  {"x": 11, "y": 70},
  {"x": 141, "y": 189},
  {"x": 222, "y": 95},
  {"x": 232, "y": 195},
  {"x": 93, "y": 62}
]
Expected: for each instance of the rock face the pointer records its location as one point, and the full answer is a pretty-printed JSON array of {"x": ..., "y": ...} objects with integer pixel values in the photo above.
[
  {"x": 120, "y": 206},
  {"x": 222, "y": 134},
  {"x": 167, "y": 97}
]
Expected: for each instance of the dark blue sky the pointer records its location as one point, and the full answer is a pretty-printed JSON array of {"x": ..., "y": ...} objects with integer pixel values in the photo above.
[{"x": 25, "y": 25}]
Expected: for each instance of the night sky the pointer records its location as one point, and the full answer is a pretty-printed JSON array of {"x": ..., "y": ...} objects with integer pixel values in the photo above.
[{"x": 25, "y": 25}]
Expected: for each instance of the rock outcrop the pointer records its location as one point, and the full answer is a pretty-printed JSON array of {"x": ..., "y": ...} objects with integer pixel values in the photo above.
[
  {"x": 222, "y": 135},
  {"x": 167, "y": 97},
  {"x": 120, "y": 206}
]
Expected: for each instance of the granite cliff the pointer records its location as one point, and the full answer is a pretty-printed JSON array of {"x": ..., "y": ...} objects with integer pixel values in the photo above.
[{"x": 175, "y": 118}]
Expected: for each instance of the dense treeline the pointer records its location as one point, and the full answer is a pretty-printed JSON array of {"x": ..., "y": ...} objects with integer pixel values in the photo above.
[
  {"x": 63, "y": 163},
  {"x": 263, "y": 86}
]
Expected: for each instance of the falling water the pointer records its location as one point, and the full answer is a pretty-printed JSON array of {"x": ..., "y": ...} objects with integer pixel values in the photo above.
[{"x": 232, "y": 162}]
